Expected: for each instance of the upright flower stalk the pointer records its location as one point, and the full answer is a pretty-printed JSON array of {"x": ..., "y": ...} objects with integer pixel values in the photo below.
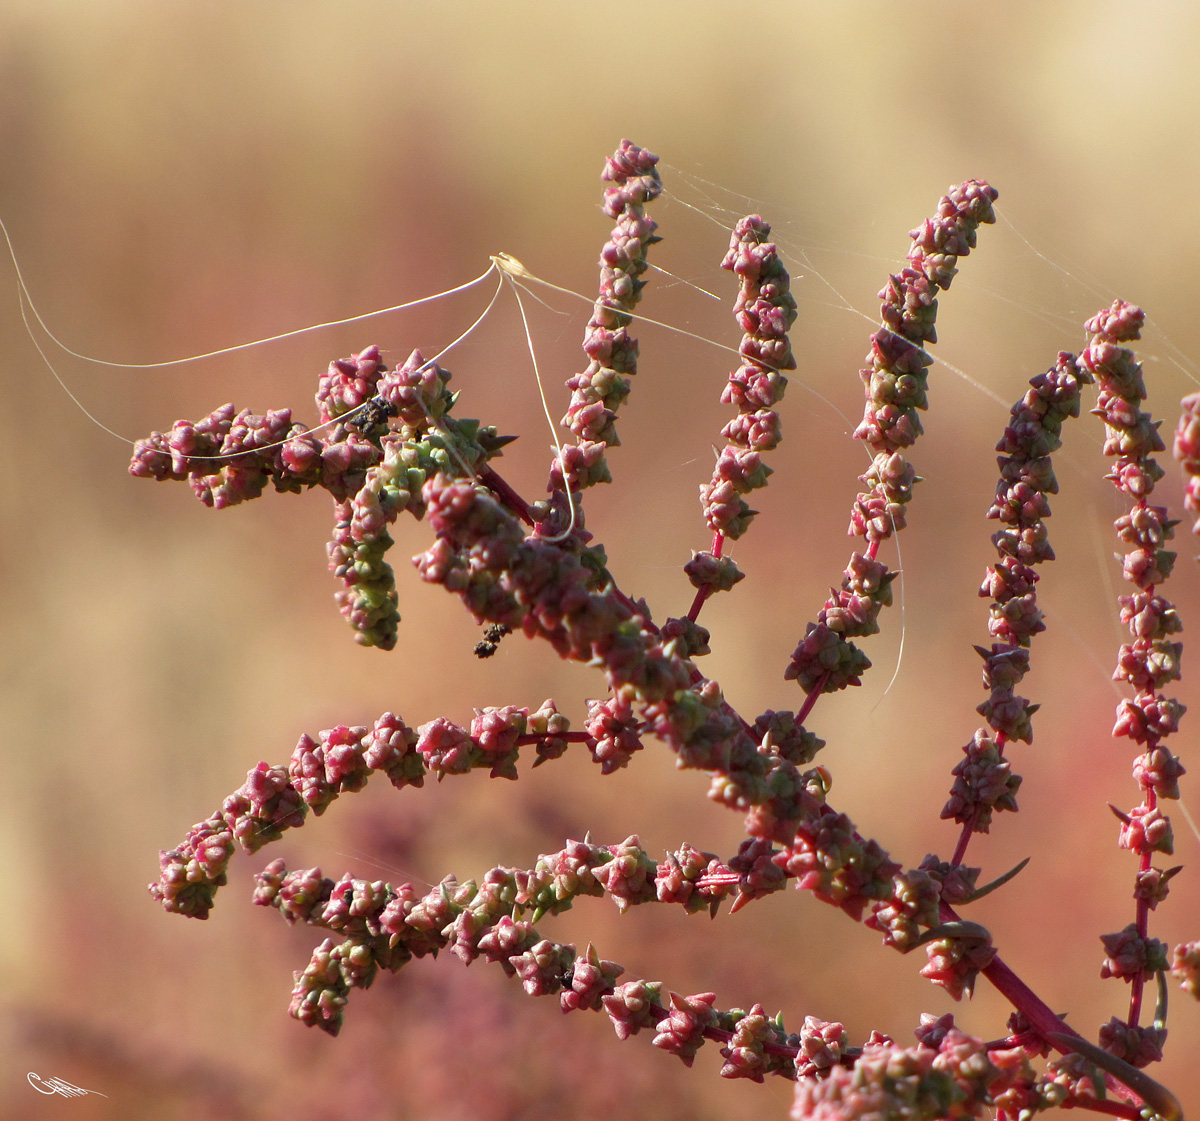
[
  {"x": 600, "y": 390},
  {"x": 896, "y": 390},
  {"x": 765, "y": 310},
  {"x": 984, "y": 781},
  {"x": 391, "y": 443},
  {"x": 1148, "y": 664}
]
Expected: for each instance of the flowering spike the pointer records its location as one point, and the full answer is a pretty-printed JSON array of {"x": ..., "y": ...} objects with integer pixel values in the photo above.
[{"x": 391, "y": 443}]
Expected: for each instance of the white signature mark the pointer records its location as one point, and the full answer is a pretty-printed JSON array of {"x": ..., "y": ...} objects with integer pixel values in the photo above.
[{"x": 57, "y": 1086}]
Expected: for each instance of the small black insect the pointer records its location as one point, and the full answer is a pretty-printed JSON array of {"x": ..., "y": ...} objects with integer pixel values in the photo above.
[
  {"x": 375, "y": 412},
  {"x": 491, "y": 639}
]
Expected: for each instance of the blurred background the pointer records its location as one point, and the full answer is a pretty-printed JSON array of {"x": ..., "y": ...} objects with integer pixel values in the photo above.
[{"x": 181, "y": 177}]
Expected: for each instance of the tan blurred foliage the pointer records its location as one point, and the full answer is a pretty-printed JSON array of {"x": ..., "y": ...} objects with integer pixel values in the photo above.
[{"x": 179, "y": 176}]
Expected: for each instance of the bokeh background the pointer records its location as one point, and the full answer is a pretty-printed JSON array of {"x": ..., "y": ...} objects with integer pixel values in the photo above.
[{"x": 183, "y": 176}]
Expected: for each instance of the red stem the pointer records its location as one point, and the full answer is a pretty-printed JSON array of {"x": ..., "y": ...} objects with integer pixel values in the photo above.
[
  {"x": 1040, "y": 1016},
  {"x": 703, "y": 593},
  {"x": 1137, "y": 987},
  {"x": 508, "y": 497}
]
